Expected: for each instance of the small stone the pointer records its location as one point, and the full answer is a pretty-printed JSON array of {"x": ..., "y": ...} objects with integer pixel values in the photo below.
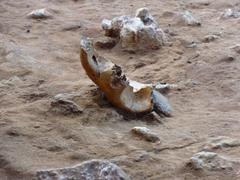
[
  {"x": 210, "y": 38},
  {"x": 64, "y": 104},
  {"x": 231, "y": 13},
  {"x": 146, "y": 134},
  {"x": 188, "y": 19},
  {"x": 39, "y": 14},
  {"x": 164, "y": 87},
  {"x": 145, "y": 16},
  {"x": 161, "y": 104},
  {"x": 210, "y": 161},
  {"x": 113, "y": 27},
  {"x": 188, "y": 43},
  {"x": 71, "y": 27},
  {"x": 88, "y": 170},
  {"x": 222, "y": 142},
  {"x": 227, "y": 58},
  {"x": 236, "y": 48},
  {"x": 105, "y": 42}
]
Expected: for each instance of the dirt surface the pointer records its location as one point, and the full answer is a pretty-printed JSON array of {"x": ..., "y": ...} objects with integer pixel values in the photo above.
[{"x": 40, "y": 59}]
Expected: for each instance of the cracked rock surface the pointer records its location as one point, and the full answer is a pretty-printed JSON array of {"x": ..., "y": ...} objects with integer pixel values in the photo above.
[{"x": 89, "y": 170}]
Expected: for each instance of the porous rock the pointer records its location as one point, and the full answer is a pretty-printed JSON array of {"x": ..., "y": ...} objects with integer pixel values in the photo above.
[
  {"x": 139, "y": 32},
  {"x": 88, "y": 170},
  {"x": 146, "y": 134},
  {"x": 188, "y": 19},
  {"x": 210, "y": 161},
  {"x": 40, "y": 14}
]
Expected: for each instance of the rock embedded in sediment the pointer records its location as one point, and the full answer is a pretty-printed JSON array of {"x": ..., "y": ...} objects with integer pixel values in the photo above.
[
  {"x": 88, "y": 170},
  {"x": 210, "y": 38},
  {"x": 228, "y": 58},
  {"x": 161, "y": 104},
  {"x": 188, "y": 19},
  {"x": 221, "y": 142},
  {"x": 40, "y": 14},
  {"x": 64, "y": 104},
  {"x": 210, "y": 161},
  {"x": 146, "y": 134},
  {"x": 236, "y": 48}
]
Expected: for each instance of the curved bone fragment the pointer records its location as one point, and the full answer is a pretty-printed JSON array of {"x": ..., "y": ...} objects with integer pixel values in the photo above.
[{"x": 122, "y": 92}]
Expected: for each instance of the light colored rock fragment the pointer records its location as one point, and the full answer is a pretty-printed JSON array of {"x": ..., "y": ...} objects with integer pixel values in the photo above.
[
  {"x": 88, "y": 170},
  {"x": 236, "y": 48},
  {"x": 113, "y": 27},
  {"x": 40, "y": 14},
  {"x": 210, "y": 161},
  {"x": 139, "y": 32},
  {"x": 64, "y": 104},
  {"x": 161, "y": 104},
  {"x": 231, "y": 13},
  {"x": 188, "y": 19},
  {"x": 145, "y": 133},
  {"x": 210, "y": 38},
  {"x": 164, "y": 87},
  {"x": 145, "y": 16},
  {"x": 222, "y": 142}
]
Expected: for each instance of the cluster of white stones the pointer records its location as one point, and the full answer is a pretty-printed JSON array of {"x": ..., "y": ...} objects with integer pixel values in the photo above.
[{"x": 139, "y": 32}]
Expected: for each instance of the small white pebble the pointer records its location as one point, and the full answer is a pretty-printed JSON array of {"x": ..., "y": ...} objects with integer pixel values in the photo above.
[{"x": 39, "y": 14}]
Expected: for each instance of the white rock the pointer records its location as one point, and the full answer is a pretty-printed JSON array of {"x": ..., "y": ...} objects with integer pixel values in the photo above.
[
  {"x": 39, "y": 14},
  {"x": 161, "y": 104},
  {"x": 145, "y": 16},
  {"x": 113, "y": 27},
  {"x": 210, "y": 161},
  {"x": 145, "y": 133},
  {"x": 231, "y": 13},
  {"x": 221, "y": 142},
  {"x": 139, "y": 32},
  {"x": 88, "y": 170},
  {"x": 164, "y": 86},
  {"x": 188, "y": 19}
]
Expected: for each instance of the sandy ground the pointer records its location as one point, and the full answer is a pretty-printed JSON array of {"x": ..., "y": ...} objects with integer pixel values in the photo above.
[{"x": 40, "y": 58}]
